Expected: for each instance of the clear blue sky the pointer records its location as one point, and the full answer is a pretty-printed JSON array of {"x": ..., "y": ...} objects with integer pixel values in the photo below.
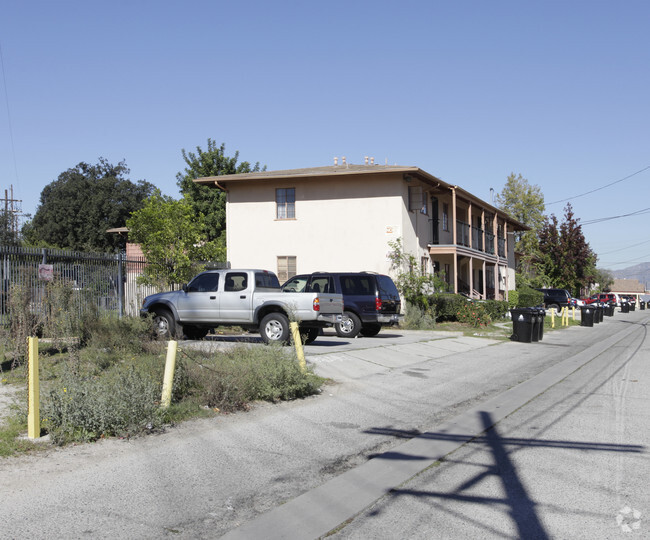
[{"x": 469, "y": 91}]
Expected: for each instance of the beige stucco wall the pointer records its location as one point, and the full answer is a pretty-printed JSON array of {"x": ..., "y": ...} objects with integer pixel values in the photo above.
[{"x": 340, "y": 224}]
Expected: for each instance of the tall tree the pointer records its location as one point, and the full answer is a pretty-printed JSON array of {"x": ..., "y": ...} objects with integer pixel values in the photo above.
[
  {"x": 172, "y": 239},
  {"x": 207, "y": 200},
  {"x": 568, "y": 261},
  {"x": 76, "y": 209},
  {"x": 525, "y": 203}
]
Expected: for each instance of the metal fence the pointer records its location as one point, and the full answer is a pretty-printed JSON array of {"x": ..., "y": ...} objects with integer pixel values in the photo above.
[{"x": 105, "y": 281}]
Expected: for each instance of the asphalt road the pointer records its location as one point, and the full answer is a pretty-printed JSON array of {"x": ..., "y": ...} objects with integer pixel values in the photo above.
[{"x": 420, "y": 435}]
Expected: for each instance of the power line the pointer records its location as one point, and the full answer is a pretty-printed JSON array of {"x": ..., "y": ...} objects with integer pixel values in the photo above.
[
  {"x": 600, "y": 220},
  {"x": 624, "y": 248},
  {"x": 598, "y": 189}
]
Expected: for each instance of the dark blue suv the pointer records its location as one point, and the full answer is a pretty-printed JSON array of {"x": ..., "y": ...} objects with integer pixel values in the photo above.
[{"x": 370, "y": 300}]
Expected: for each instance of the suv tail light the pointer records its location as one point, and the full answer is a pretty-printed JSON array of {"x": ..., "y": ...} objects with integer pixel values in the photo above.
[
  {"x": 377, "y": 303},
  {"x": 316, "y": 304}
]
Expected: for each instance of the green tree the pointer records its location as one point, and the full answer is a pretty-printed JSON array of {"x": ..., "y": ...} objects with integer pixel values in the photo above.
[
  {"x": 568, "y": 261},
  {"x": 9, "y": 233},
  {"x": 206, "y": 200},
  {"x": 525, "y": 203},
  {"x": 76, "y": 209},
  {"x": 173, "y": 240}
]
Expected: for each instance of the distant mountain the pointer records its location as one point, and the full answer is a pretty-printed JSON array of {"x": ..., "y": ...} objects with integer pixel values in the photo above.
[{"x": 640, "y": 272}]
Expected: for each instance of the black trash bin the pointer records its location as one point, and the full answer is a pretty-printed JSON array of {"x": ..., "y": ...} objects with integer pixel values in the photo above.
[
  {"x": 601, "y": 312},
  {"x": 632, "y": 306},
  {"x": 523, "y": 323},
  {"x": 641, "y": 306},
  {"x": 597, "y": 310},
  {"x": 625, "y": 307},
  {"x": 609, "y": 310},
  {"x": 587, "y": 315}
]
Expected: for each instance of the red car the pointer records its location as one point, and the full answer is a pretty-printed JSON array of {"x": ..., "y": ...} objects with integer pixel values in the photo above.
[{"x": 604, "y": 298}]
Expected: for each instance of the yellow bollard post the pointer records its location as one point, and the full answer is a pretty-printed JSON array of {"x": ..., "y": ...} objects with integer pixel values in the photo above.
[
  {"x": 297, "y": 343},
  {"x": 33, "y": 412},
  {"x": 552, "y": 318},
  {"x": 574, "y": 313},
  {"x": 168, "y": 379},
  {"x": 565, "y": 316}
]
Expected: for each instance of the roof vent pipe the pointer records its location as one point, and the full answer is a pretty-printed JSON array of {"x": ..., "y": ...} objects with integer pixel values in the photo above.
[
  {"x": 336, "y": 161},
  {"x": 343, "y": 161},
  {"x": 372, "y": 161},
  {"x": 366, "y": 160}
]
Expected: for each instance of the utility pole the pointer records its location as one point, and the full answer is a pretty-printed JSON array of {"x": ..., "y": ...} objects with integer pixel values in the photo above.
[{"x": 12, "y": 211}]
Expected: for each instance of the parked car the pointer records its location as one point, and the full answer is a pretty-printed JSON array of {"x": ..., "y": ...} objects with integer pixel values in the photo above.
[
  {"x": 556, "y": 298},
  {"x": 576, "y": 302},
  {"x": 370, "y": 300},
  {"x": 251, "y": 299},
  {"x": 604, "y": 298}
]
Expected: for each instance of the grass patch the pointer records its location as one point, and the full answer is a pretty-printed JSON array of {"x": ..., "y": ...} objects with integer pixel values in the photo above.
[{"x": 107, "y": 382}]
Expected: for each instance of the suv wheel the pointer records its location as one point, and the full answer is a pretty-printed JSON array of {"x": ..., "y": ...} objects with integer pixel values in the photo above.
[
  {"x": 555, "y": 307},
  {"x": 349, "y": 326}
]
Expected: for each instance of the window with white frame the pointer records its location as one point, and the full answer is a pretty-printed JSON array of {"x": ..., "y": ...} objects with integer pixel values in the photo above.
[
  {"x": 286, "y": 267},
  {"x": 285, "y": 203},
  {"x": 445, "y": 217}
]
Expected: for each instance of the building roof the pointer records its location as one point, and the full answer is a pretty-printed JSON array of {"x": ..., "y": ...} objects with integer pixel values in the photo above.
[
  {"x": 223, "y": 181},
  {"x": 627, "y": 286}
]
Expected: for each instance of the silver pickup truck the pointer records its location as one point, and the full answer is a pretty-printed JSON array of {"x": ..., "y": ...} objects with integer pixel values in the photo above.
[{"x": 251, "y": 299}]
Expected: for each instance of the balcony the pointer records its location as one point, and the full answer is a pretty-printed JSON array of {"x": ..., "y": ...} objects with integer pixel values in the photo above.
[{"x": 462, "y": 233}]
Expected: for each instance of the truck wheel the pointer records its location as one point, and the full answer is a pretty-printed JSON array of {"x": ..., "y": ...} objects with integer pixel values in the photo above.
[
  {"x": 164, "y": 325},
  {"x": 309, "y": 335},
  {"x": 274, "y": 328},
  {"x": 194, "y": 332},
  {"x": 349, "y": 326},
  {"x": 370, "y": 330}
]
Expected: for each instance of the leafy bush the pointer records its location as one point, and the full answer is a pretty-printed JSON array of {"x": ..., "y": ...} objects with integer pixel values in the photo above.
[
  {"x": 85, "y": 407},
  {"x": 530, "y": 297},
  {"x": 418, "y": 318},
  {"x": 473, "y": 313},
  {"x": 496, "y": 309},
  {"x": 513, "y": 299},
  {"x": 230, "y": 380},
  {"x": 446, "y": 306}
]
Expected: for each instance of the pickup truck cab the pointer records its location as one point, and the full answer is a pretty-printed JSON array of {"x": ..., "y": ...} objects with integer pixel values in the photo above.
[{"x": 251, "y": 299}]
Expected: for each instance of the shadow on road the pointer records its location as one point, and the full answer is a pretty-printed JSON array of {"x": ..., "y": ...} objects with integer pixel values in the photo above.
[{"x": 521, "y": 507}]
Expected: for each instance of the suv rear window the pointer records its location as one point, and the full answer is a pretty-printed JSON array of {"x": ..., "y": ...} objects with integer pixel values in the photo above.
[
  {"x": 357, "y": 285},
  {"x": 387, "y": 287}
]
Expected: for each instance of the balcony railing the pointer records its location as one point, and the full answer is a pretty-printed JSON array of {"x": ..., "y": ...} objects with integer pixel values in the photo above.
[
  {"x": 501, "y": 246},
  {"x": 489, "y": 243},
  {"x": 462, "y": 233},
  {"x": 477, "y": 238}
]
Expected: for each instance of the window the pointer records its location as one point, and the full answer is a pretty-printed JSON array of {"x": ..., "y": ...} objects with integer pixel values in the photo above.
[
  {"x": 415, "y": 198},
  {"x": 357, "y": 285},
  {"x": 285, "y": 203},
  {"x": 266, "y": 280},
  {"x": 447, "y": 276},
  {"x": 204, "y": 283},
  {"x": 321, "y": 284},
  {"x": 445, "y": 217},
  {"x": 286, "y": 267},
  {"x": 424, "y": 266},
  {"x": 296, "y": 284},
  {"x": 236, "y": 281}
]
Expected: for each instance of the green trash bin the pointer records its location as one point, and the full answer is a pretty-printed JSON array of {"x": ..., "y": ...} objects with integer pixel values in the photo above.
[
  {"x": 523, "y": 323},
  {"x": 587, "y": 315}
]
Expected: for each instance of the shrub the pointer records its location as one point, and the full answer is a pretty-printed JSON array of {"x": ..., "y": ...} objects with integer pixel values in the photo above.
[
  {"x": 230, "y": 380},
  {"x": 473, "y": 313},
  {"x": 85, "y": 407},
  {"x": 513, "y": 299},
  {"x": 418, "y": 318},
  {"x": 446, "y": 306},
  {"x": 496, "y": 309},
  {"x": 529, "y": 297}
]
